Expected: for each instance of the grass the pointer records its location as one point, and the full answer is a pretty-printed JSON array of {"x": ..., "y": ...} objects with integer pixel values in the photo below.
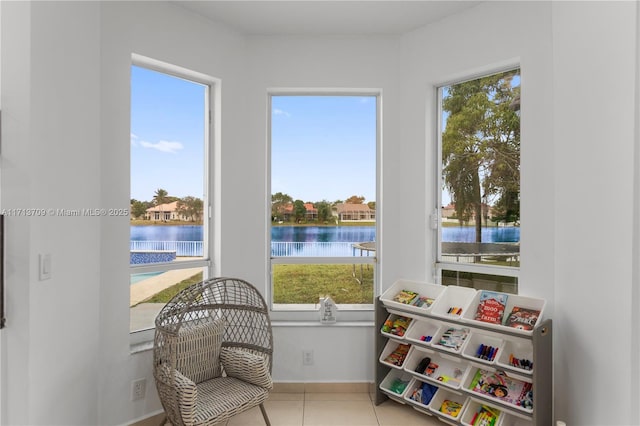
[
  {"x": 304, "y": 284},
  {"x": 167, "y": 294}
]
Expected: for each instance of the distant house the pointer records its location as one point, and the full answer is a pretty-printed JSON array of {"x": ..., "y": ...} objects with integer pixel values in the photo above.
[
  {"x": 449, "y": 212},
  {"x": 165, "y": 212},
  {"x": 310, "y": 214},
  {"x": 354, "y": 212}
]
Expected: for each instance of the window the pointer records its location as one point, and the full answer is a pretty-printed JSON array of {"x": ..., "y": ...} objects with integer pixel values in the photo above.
[
  {"x": 170, "y": 134},
  {"x": 323, "y": 179},
  {"x": 479, "y": 153}
]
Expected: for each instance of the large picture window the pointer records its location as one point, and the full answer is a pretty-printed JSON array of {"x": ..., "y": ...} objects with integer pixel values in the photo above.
[
  {"x": 169, "y": 198},
  {"x": 323, "y": 172},
  {"x": 479, "y": 141}
]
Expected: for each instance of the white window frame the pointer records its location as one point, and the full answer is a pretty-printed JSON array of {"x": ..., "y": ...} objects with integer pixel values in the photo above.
[
  {"x": 439, "y": 264},
  {"x": 141, "y": 339},
  {"x": 306, "y": 314}
]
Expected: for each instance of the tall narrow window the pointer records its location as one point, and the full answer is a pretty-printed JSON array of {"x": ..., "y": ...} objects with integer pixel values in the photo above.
[
  {"x": 169, "y": 172},
  {"x": 323, "y": 199},
  {"x": 479, "y": 244}
]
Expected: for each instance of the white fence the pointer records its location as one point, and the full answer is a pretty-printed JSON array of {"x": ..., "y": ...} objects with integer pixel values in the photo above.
[{"x": 278, "y": 249}]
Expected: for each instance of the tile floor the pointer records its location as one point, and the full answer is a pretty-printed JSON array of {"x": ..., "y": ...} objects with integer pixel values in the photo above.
[{"x": 331, "y": 409}]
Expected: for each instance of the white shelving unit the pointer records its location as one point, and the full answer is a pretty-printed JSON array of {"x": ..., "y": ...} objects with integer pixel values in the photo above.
[{"x": 458, "y": 365}]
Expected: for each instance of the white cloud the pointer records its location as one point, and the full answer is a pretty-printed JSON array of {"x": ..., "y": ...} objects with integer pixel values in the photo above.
[
  {"x": 134, "y": 139},
  {"x": 277, "y": 111},
  {"x": 164, "y": 146}
]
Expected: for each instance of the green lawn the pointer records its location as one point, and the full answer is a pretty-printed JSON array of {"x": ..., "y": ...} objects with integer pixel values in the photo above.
[
  {"x": 306, "y": 283},
  {"x": 294, "y": 284}
]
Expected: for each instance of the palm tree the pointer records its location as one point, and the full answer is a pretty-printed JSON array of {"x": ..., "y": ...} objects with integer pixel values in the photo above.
[{"x": 159, "y": 198}]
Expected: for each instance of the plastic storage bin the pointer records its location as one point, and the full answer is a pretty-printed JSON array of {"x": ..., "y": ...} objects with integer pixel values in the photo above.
[
  {"x": 519, "y": 349},
  {"x": 423, "y": 289},
  {"x": 391, "y": 347},
  {"x": 513, "y": 390},
  {"x": 483, "y": 348},
  {"x": 421, "y": 330},
  {"x": 474, "y": 407},
  {"x": 391, "y": 384},
  {"x": 451, "y": 338},
  {"x": 437, "y": 404},
  {"x": 409, "y": 395},
  {"x": 442, "y": 370},
  {"x": 453, "y": 302},
  {"x": 392, "y": 332},
  {"x": 521, "y": 324}
]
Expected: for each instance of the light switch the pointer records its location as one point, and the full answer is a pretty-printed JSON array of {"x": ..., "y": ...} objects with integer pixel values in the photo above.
[{"x": 45, "y": 266}]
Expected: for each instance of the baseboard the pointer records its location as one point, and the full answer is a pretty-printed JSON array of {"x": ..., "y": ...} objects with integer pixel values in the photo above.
[
  {"x": 153, "y": 419},
  {"x": 323, "y": 387}
]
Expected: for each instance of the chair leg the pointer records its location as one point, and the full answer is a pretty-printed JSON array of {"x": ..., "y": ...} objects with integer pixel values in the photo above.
[{"x": 264, "y": 414}]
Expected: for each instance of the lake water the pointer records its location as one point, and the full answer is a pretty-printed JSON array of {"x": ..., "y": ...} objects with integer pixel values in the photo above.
[{"x": 323, "y": 233}]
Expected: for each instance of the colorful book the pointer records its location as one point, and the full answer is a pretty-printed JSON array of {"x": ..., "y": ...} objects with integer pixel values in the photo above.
[
  {"x": 423, "y": 302},
  {"x": 491, "y": 307},
  {"x": 398, "y": 355},
  {"x": 522, "y": 318},
  {"x": 496, "y": 384},
  {"x": 450, "y": 408},
  {"x": 405, "y": 296}
]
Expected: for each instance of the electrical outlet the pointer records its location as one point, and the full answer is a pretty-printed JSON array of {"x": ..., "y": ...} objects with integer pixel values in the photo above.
[
  {"x": 138, "y": 389},
  {"x": 307, "y": 357}
]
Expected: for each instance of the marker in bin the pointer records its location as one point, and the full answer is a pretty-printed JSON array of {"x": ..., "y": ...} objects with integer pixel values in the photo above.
[
  {"x": 487, "y": 353},
  {"x": 454, "y": 310},
  {"x": 520, "y": 363}
]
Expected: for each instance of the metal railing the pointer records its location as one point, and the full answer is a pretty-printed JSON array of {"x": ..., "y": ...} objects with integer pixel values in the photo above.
[
  {"x": 278, "y": 249},
  {"x": 317, "y": 249},
  {"x": 182, "y": 248}
]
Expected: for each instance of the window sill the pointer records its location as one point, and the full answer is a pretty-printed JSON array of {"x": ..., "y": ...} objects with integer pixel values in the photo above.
[
  {"x": 277, "y": 324},
  {"x": 137, "y": 348}
]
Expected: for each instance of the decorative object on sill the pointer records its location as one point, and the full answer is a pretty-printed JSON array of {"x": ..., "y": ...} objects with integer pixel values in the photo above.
[
  {"x": 213, "y": 352},
  {"x": 328, "y": 309}
]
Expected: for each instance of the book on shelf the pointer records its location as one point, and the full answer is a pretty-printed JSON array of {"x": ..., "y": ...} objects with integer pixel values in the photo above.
[
  {"x": 408, "y": 297},
  {"x": 398, "y": 355},
  {"x": 496, "y": 384},
  {"x": 405, "y": 296},
  {"x": 522, "y": 318},
  {"x": 491, "y": 307}
]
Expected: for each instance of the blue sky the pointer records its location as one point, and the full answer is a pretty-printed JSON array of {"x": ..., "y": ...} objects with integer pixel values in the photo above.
[
  {"x": 323, "y": 147},
  {"x": 167, "y": 135}
]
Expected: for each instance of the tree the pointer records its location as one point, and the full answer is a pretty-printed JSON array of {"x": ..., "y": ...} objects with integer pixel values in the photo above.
[
  {"x": 160, "y": 197},
  {"x": 138, "y": 208},
  {"x": 299, "y": 210},
  {"x": 190, "y": 207},
  {"x": 372, "y": 205},
  {"x": 324, "y": 210},
  {"x": 481, "y": 146},
  {"x": 354, "y": 199},
  {"x": 279, "y": 202}
]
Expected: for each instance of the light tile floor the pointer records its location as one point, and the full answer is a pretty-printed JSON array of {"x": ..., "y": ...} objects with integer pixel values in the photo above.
[
  {"x": 325, "y": 409},
  {"x": 332, "y": 409}
]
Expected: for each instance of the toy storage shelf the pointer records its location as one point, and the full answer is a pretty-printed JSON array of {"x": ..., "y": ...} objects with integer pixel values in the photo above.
[{"x": 537, "y": 344}]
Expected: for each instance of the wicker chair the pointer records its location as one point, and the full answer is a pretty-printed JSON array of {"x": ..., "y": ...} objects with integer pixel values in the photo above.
[{"x": 213, "y": 352}]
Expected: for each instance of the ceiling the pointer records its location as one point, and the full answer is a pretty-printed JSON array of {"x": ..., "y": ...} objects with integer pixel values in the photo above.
[{"x": 314, "y": 17}]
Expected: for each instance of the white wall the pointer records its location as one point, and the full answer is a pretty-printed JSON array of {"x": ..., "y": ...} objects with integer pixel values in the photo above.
[
  {"x": 594, "y": 60},
  {"x": 65, "y": 354},
  {"x": 167, "y": 33},
  {"x": 51, "y": 136}
]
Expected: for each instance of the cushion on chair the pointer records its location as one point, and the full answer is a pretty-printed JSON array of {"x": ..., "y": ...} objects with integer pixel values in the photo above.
[
  {"x": 198, "y": 350},
  {"x": 246, "y": 366}
]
